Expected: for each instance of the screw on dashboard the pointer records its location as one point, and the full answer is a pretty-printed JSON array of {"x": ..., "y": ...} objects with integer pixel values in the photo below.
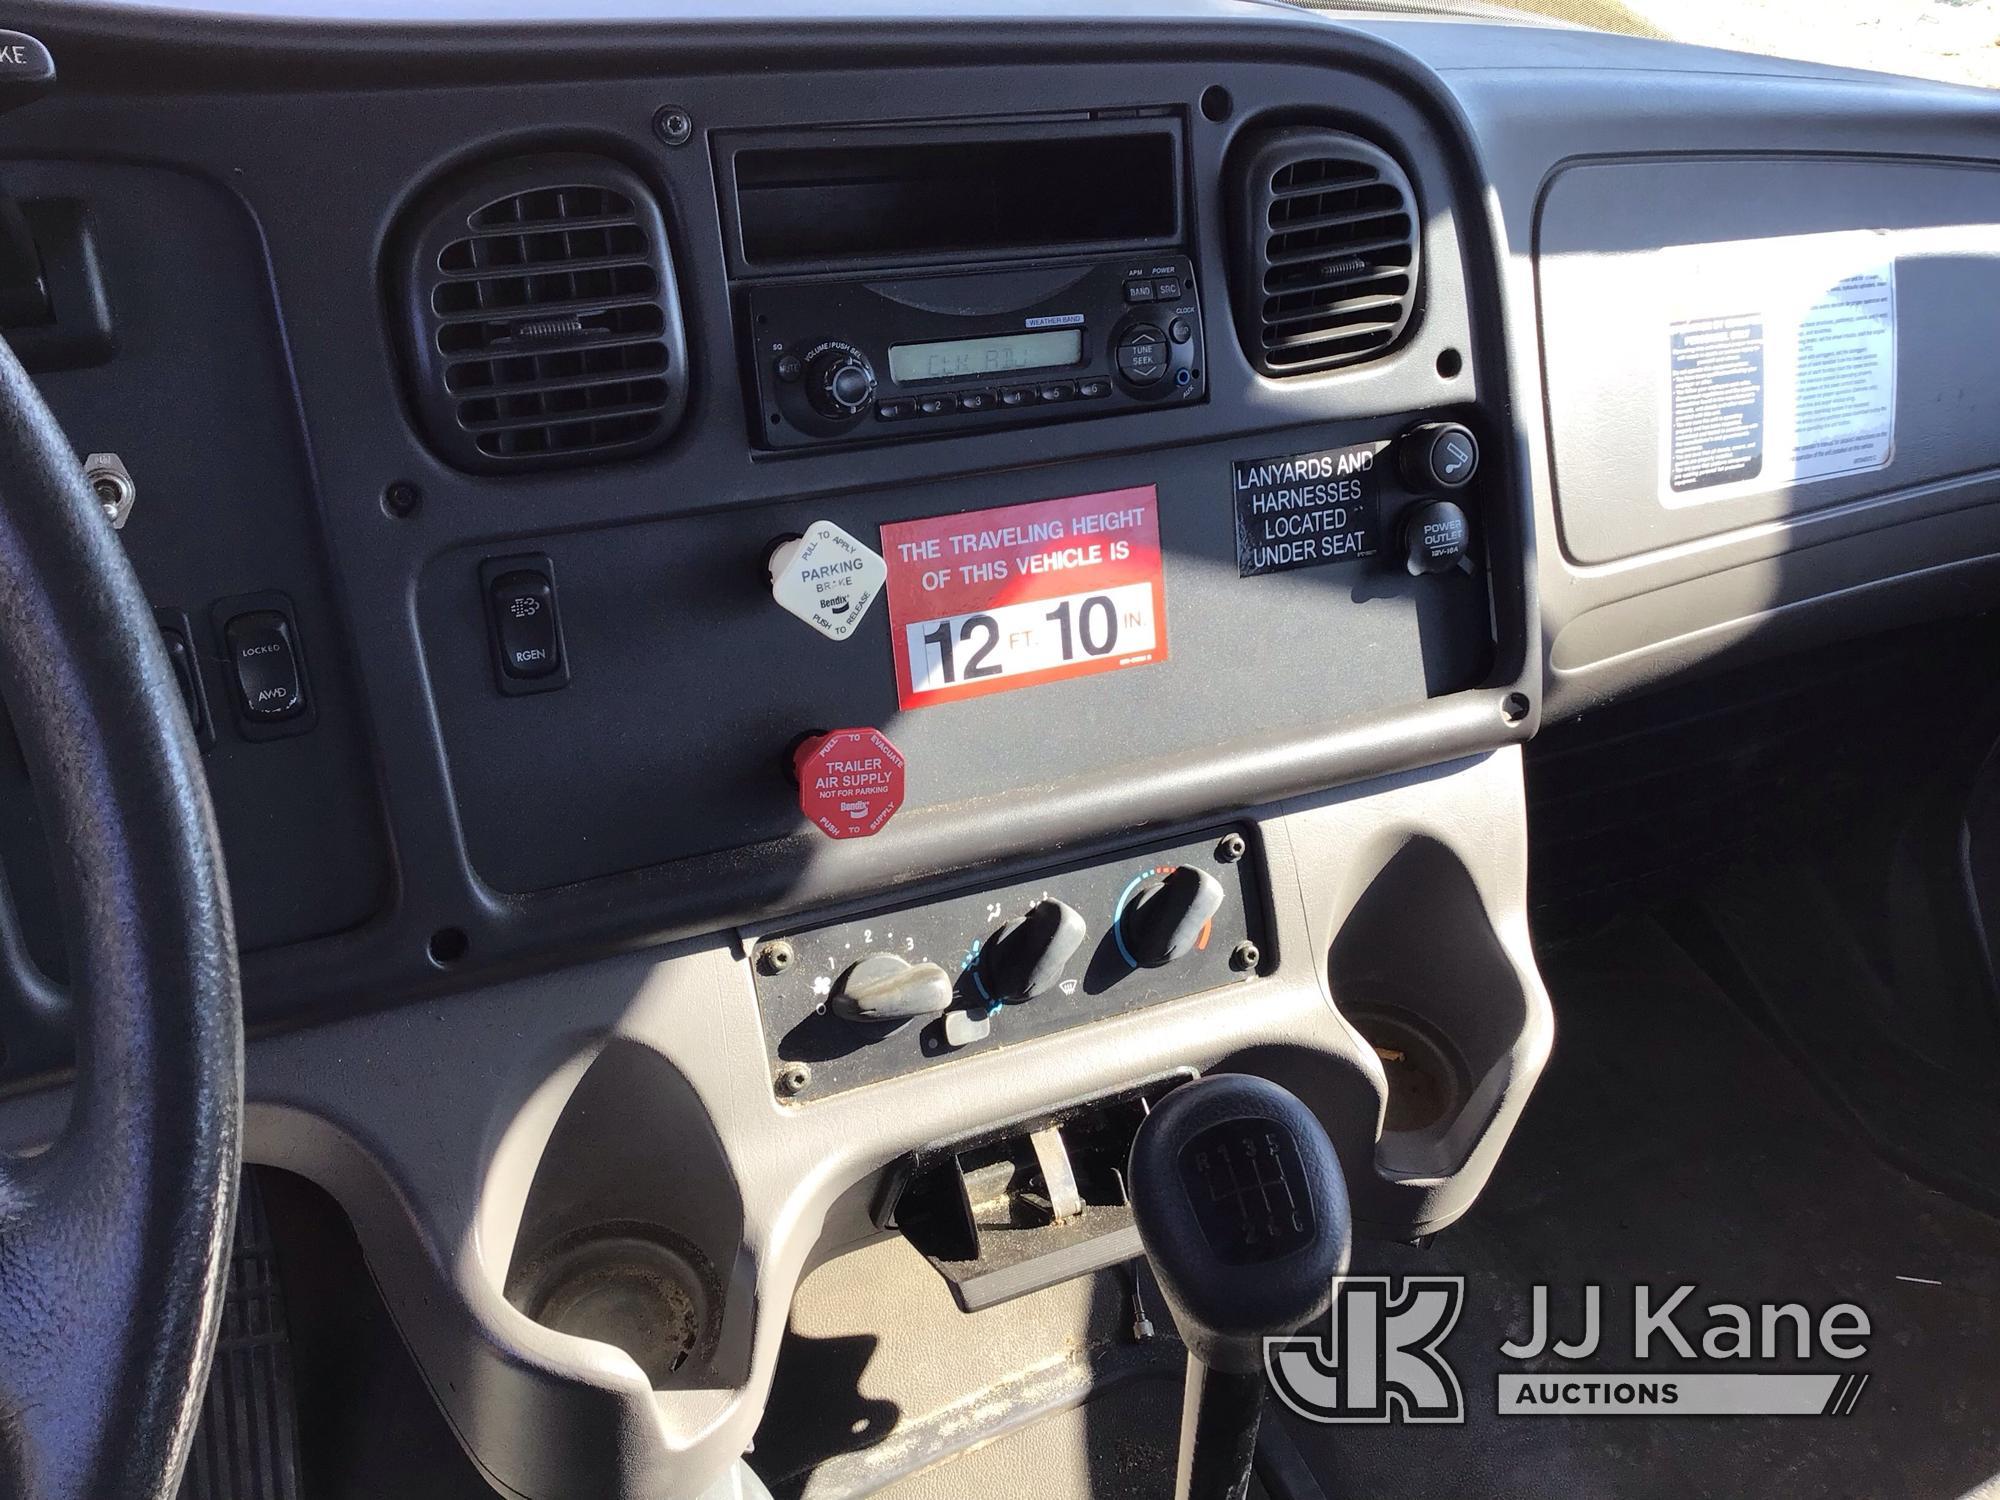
[
  {"x": 774, "y": 958},
  {"x": 1231, "y": 848},
  {"x": 673, "y": 125},
  {"x": 401, "y": 499},
  {"x": 1244, "y": 956},
  {"x": 793, "y": 1079}
]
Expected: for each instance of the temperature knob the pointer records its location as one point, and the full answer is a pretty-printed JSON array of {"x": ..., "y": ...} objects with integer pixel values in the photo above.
[
  {"x": 840, "y": 383},
  {"x": 1164, "y": 919},
  {"x": 1026, "y": 956}
]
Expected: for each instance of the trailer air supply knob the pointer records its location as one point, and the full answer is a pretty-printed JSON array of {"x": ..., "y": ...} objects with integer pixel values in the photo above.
[{"x": 850, "y": 781}]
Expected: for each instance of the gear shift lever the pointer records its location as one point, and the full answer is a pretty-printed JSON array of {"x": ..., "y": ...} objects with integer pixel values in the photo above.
[{"x": 1243, "y": 1212}]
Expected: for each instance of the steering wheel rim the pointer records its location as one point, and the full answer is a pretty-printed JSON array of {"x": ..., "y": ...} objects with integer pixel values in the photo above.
[{"x": 113, "y": 1241}]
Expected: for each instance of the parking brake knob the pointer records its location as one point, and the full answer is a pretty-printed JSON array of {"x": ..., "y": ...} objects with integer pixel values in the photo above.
[{"x": 1242, "y": 1209}]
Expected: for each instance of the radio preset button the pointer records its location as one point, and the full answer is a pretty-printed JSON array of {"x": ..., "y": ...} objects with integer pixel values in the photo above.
[
  {"x": 1138, "y": 291},
  {"x": 1142, "y": 355},
  {"x": 932, "y": 406},
  {"x": 894, "y": 411},
  {"x": 1094, "y": 388},
  {"x": 1058, "y": 390},
  {"x": 975, "y": 400},
  {"x": 1016, "y": 395}
]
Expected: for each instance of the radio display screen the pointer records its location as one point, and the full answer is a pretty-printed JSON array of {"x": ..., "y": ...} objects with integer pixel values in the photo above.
[{"x": 965, "y": 359}]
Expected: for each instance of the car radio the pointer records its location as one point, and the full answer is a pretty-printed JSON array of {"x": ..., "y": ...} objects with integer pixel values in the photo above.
[
  {"x": 865, "y": 360},
  {"x": 911, "y": 279}
]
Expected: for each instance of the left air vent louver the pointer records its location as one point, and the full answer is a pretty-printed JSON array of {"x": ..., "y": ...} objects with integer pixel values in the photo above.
[{"x": 543, "y": 325}]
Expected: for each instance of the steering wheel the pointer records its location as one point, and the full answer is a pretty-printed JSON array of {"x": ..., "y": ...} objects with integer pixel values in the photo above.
[{"x": 114, "y": 1241}]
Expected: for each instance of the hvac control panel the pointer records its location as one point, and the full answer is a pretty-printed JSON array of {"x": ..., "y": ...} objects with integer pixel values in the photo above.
[{"x": 867, "y": 998}]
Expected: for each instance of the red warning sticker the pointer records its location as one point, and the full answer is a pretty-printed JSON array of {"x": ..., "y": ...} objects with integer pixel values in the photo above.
[
  {"x": 850, "y": 782},
  {"x": 1007, "y": 598}
]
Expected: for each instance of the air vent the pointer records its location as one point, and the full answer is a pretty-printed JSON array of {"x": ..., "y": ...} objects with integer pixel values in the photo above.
[
  {"x": 1326, "y": 266},
  {"x": 544, "y": 329}
]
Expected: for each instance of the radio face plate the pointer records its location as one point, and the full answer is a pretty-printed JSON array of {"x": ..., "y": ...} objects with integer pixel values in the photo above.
[{"x": 1140, "y": 344}]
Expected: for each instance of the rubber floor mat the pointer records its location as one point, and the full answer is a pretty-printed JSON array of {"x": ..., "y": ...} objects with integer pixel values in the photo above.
[{"x": 1671, "y": 1142}]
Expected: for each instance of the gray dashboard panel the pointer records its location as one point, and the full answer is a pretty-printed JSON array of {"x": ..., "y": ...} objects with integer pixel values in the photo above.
[
  {"x": 1605, "y": 295},
  {"x": 325, "y": 132},
  {"x": 1539, "y": 107},
  {"x": 428, "y": 1122}
]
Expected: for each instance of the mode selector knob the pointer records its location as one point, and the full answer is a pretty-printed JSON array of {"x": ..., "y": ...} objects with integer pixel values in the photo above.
[
  {"x": 1163, "y": 920},
  {"x": 840, "y": 383},
  {"x": 1026, "y": 956}
]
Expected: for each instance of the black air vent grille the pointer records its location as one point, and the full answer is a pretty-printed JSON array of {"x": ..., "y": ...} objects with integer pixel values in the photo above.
[
  {"x": 546, "y": 328},
  {"x": 1327, "y": 252}
]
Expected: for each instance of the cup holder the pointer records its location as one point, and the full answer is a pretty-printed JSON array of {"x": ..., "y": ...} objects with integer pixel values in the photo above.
[
  {"x": 1427, "y": 1078},
  {"x": 636, "y": 1286},
  {"x": 631, "y": 1233},
  {"x": 1418, "y": 970}
]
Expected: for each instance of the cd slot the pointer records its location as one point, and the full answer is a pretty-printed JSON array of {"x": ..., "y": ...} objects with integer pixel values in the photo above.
[{"x": 804, "y": 200}]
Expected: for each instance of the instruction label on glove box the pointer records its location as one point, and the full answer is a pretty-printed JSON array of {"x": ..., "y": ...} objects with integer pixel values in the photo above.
[
  {"x": 1025, "y": 594},
  {"x": 1780, "y": 364},
  {"x": 1303, "y": 509}
]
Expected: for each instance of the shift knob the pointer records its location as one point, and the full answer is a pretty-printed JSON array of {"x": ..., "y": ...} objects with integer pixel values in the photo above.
[{"x": 1242, "y": 1209}]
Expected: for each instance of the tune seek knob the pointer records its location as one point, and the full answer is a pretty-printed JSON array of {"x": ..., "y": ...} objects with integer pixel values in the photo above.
[{"x": 840, "y": 383}]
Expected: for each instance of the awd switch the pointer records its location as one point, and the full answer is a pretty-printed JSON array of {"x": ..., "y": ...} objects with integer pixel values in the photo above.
[{"x": 270, "y": 684}]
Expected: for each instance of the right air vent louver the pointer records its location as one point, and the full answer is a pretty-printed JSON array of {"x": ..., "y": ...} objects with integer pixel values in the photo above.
[
  {"x": 543, "y": 326},
  {"x": 1326, "y": 272}
]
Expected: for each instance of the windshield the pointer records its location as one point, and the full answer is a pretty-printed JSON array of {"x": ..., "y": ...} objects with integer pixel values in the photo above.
[{"x": 1957, "y": 41}]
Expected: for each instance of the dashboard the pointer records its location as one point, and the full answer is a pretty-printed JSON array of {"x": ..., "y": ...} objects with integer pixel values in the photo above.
[{"x": 887, "y": 578}]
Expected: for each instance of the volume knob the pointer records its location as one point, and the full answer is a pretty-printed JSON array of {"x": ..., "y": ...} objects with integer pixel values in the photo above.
[{"x": 840, "y": 383}]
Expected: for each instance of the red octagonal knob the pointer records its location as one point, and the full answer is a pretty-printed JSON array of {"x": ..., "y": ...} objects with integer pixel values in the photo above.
[{"x": 850, "y": 781}]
